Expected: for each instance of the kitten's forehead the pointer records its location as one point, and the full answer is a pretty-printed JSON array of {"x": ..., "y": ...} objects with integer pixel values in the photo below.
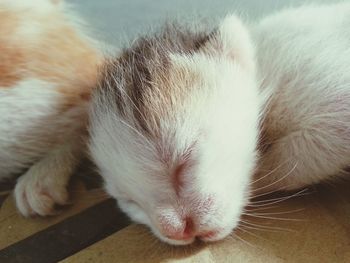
[{"x": 143, "y": 81}]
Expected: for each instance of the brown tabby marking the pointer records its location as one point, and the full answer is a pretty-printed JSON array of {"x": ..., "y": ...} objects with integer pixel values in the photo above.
[{"x": 142, "y": 74}]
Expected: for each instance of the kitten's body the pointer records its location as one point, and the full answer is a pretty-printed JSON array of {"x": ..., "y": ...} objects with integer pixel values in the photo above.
[
  {"x": 175, "y": 122},
  {"x": 47, "y": 71},
  {"x": 303, "y": 59}
]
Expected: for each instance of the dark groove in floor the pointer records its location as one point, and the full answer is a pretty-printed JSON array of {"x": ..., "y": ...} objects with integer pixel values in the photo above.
[{"x": 67, "y": 237}]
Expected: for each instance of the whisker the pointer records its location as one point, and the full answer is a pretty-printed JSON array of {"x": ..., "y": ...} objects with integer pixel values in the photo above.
[
  {"x": 244, "y": 241},
  {"x": 264, "y": 227},
  {"x": 277, "y": 181},
  {"x": 267, "y": 193},
  {"x": 252, "y": 234},
  {"x": 276, "y": 218},
  {"x": 263, "y": 208},
  {"x": 268, "y": 200},
  {"x": 278, "y": 201},
  {"x": 282, "y": 188},
  {"x": 269, "y": 173},
  {"x": 282, "y": 213}
]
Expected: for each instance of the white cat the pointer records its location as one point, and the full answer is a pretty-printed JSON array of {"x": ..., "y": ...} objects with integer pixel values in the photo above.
[
  {"x": 48, "y": 68},
  {"x": 175, "y": 121}
]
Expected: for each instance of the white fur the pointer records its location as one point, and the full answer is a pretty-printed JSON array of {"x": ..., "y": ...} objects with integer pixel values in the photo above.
[
  {"x": 132, "y": 166},
  {"x": 303, "y": 57},
  {"x": 45, "y": 183},
  {"x": 26, "y": 27},
  {"x": 303, "y": 67},
  {"x": 40, "y": 6},
  {"x": 24, "y": 107},
  {"x": 31, "y": 128},
  {"x": 38, "y": 135}
]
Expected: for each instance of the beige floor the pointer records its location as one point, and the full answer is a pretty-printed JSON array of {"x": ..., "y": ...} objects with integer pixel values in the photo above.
[{"x": 311, "y": 228}]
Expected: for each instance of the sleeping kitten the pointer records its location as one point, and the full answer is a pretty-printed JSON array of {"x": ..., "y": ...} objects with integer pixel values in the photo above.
[
  {"x": 176, "y": 119},
  {"x": 48, "y": 68}
]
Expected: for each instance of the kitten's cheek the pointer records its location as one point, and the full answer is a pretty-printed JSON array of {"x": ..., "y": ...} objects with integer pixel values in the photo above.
[{"x": 134, "y": 211}]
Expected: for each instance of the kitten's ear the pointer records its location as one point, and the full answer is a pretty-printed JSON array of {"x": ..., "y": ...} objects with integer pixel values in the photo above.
[{"x": 232, "y": 39}]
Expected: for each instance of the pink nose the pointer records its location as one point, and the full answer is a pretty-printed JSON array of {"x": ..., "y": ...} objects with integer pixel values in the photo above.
[
  {"x": 184, "y": 231},
  {"x": 187, "y": 230}
]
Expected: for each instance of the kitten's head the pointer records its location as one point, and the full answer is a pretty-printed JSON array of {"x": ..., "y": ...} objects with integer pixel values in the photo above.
[{"x": 174, "y": 130}]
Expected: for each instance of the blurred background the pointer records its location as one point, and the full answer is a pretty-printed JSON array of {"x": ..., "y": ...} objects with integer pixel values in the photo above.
[{"x": 116, "y": 21}]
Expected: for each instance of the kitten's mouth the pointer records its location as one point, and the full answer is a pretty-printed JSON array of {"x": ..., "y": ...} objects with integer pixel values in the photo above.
[
  {"x": 209, "y": 236},
  {"x": 178, "y": 242}
]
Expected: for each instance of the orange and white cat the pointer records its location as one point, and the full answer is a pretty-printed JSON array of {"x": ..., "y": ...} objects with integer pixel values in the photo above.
[{"x": 48, "y": 68}]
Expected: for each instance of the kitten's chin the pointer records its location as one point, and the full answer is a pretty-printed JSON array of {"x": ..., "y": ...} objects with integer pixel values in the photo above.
[
  {"x": 174, "y": 242},
  {"x": 211, "y": 236}
]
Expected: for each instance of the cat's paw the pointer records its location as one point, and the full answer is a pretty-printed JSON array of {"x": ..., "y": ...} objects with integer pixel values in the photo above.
[{"x": 38, "y": 195}]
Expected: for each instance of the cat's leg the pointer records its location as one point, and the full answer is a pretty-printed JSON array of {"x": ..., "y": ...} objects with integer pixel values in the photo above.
[
  {"x": 45, "y": 183},
  {"x": 304, "y": 157}
]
